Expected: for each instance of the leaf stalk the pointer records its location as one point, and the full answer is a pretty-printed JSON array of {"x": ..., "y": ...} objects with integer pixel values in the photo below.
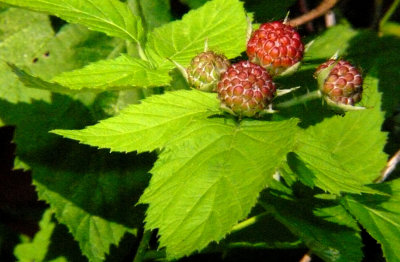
[{"x": 300, "y": 99}]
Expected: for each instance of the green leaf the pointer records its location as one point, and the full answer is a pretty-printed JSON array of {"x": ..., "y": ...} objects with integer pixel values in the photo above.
[
  {"x": 328, "y": 43},
  {"x": 347, "y": 151},
  {"x": 35, "y": 82},
  {"x": 108, "y": 16},
  {"x": 221, "y": 22},
  {"x": 337, "y": 214},
  {"x": 154, "y": 13},
  {"x": 330, "y": 241},
  {"x": 121, "y": 72},
  {"x": 36, "y": 249},
  {"x": 380, "y": 216},
  {"x": 92, "y": 192},
  {"x": 72, "y": 47},
  {"x": 26, "y": 39},
  {"x": 209, "y": 177},
  {"x": 96, "y": 202},
  {"x": 45, "y": 54},
  {"x": 147, "y": 126},
  {"x": 14, "y": 20},
  {"x": 323, "y": 169}
]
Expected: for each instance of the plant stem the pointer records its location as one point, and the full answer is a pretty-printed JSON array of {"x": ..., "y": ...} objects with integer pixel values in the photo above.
[
  {"x": 389, "y": 13},
  {"x": 248, "y": 222},
  {"x": 300, "y": 100},
  {"x": 307, "y": 257},
  {"x": 154, "y": 255},
  {"x": 320, "y": 10},
  {"x": 143, "y": 245}
]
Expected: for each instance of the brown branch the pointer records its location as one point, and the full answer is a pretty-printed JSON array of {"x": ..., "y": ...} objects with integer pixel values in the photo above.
[
  {"x": 320, "y": 10},
  {"x": 389, "y": 168}
]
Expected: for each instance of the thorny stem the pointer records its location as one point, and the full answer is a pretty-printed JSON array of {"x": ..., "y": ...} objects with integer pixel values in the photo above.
[
  {"x": 320, "y": 10},
  {"x": 143, "y": 245},
  {"x": 389, "y": 13},
  {"x": 300, "y": 99}
]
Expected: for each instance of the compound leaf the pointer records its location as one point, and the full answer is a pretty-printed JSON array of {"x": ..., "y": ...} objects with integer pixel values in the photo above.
[
  {"x": 108, "y": 16},
  {"x": 209, "y": 177},
  {"x": 149, "y": 125}
]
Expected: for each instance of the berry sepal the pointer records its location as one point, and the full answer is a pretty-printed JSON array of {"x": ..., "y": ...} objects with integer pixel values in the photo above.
[
  {"x": 340, "y": 84},
  {"x": 342, "y": 107}
]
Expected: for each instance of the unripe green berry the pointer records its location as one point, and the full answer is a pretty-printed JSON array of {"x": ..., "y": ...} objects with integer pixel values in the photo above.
[{"x": 205, "y": 70}]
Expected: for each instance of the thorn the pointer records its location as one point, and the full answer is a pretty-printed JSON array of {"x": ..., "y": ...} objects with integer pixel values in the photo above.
[
  {"x": 268, "y": 110},
  {"x": 206, "y": 45},
  {"x": 291, "y": 70},
  {"x": 249, "y": 28},
  {"x": 335, "y": 55},
  {"x": 286, "y": 91},
  {"x": 285, "y": 21},
  {"x": 308, "y": 45}
]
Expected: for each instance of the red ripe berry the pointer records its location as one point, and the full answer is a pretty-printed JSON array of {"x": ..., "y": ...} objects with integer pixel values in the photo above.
[
  {"x": 342, "y": 84},
  {"x": 246, "y": 89},
  {"x": 275, "y": 46}
]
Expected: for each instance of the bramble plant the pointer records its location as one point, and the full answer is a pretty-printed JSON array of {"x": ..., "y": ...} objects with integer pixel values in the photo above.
[{"x": 254, "y": 152}]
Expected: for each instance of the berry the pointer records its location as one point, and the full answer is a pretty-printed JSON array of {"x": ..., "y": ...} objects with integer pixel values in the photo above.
[
  {"x": 342, "y": 84},
  {"x": 246, "y": 89},
  {"x": 205, "y": 70},
  {"x": 275, "y": 46}
]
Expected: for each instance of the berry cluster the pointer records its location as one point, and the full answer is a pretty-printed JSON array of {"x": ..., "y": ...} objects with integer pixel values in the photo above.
[{"x": 246, "y": 88}]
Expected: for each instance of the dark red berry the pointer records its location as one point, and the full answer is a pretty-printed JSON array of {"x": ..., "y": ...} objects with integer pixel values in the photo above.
[{"x": 246, "y": 89}]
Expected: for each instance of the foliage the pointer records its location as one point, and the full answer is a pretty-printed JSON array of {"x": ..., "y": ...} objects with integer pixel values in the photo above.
[{"x": 167, "y": 156}]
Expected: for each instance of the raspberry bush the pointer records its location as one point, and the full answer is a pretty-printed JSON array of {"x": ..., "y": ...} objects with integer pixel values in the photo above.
[{"x": 143, "y": 146}]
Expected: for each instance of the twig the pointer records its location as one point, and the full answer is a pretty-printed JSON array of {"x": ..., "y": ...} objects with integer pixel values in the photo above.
[
  {"x": 320, "y": 10},
  {"x": 390, "y": 166},
  {"x": 303, "y": 7},
  {"x": 330, "y": 19},
  {"x": 307, "y": 257}
]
